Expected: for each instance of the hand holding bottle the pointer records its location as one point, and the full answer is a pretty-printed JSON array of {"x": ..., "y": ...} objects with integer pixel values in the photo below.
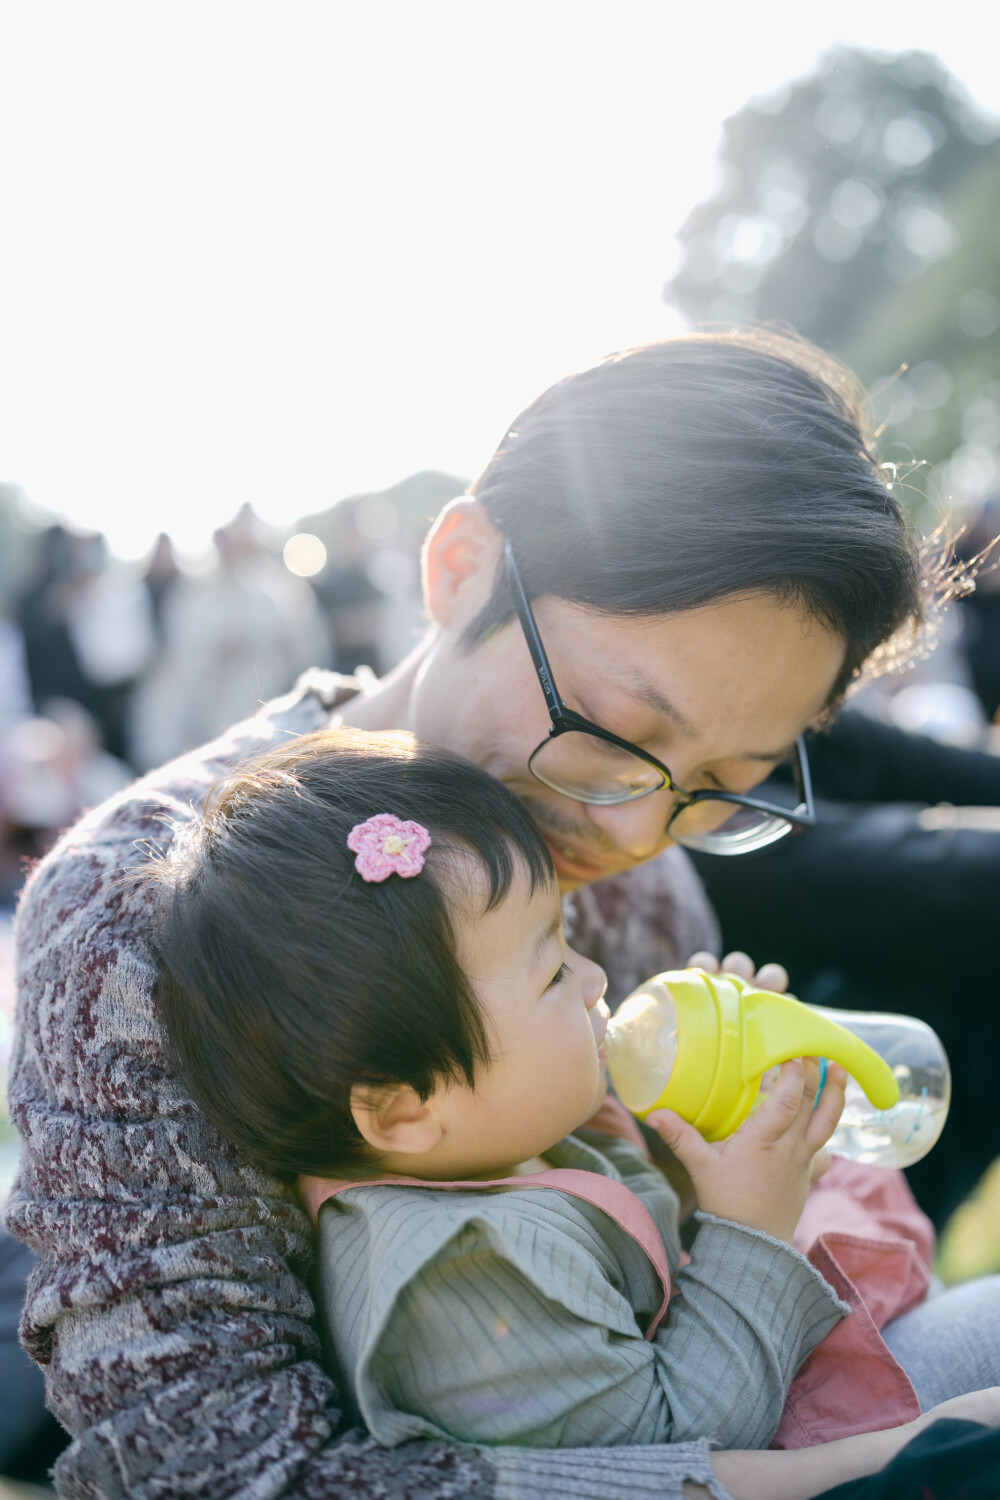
[
  {"x": 770, "y": 976},
  {"x": 761, "y": 1176},
  {"x": 708, "y": 1045}
]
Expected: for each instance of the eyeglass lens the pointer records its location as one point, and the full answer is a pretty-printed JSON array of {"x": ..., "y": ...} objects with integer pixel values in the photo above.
[
  {"x": 593, "y": 770},
  {"x": 725, "y": 827}
]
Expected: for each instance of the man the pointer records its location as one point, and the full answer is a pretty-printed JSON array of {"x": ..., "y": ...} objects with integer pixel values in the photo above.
[{"x": 668, "y": 572}]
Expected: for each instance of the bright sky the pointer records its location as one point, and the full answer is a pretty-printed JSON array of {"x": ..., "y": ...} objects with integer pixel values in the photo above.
[{"x": 281, "y": 252}]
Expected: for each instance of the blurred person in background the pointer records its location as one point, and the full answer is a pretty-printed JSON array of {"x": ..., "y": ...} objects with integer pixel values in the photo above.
[
  {"x": 43, "y": 615},
  {"x": 15, "y": 690},
  {"x": 15, "y": 705},
  {"x": 88, "y": 632},
  {"x": 111, "y": 627},
  {"x": 54, "y": 766},
  {"x": 230, "y": 640},
  {"x": 52, "y": 770},
  {"x": 160, "y": 578},
  {"x": 710, "y": 555},
  {"x": 353, "y": 604}
]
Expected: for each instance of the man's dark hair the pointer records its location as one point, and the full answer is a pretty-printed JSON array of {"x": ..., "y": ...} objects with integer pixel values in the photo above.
[
  {"x": 286, "y": 978},
  {"x": 702, "y": 468}
]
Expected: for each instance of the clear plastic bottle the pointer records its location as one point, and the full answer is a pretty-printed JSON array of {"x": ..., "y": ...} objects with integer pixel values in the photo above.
[
  {"x": 710, "y": 1046},
  {"x": 899, "y": 1136}
]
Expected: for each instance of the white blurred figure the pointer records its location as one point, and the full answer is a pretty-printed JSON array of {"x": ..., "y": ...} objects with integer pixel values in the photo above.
[
  {"x": 231, "y": 640},
  {"x": 53, "y": 769},
  {"x": 110, "y": 622}
]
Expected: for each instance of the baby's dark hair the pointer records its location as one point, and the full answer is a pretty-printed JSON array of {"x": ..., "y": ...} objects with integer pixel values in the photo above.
[{"x": 285, "y": 978}]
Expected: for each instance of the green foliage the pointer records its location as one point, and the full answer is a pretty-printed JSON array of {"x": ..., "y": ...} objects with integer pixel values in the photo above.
[
  {"x": 860, "y": 207},
  {"x": 970, "y": 1244}
]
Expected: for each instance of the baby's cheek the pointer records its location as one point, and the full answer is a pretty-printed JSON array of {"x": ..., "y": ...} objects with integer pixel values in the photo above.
[{"x": 592, "y": 1073}]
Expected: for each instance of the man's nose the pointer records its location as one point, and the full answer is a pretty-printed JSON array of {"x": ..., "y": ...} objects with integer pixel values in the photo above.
[{"x": 637, "y": 828}]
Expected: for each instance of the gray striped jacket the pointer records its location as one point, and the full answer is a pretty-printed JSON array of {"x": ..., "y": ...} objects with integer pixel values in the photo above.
[{"x": 516, "y": 1315}]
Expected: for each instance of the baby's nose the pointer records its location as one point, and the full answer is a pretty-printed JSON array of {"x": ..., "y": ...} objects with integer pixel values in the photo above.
[{"x": 595, "y": 983}]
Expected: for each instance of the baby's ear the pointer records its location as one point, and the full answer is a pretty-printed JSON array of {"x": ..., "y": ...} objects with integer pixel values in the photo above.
[{"x": 393, "y": 1118}]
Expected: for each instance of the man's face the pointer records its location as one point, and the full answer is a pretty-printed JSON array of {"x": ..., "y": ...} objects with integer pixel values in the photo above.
[{"x": 718, "y": 694}]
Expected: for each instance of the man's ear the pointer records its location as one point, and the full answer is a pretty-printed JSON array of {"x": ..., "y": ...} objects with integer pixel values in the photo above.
[
  {"x": 393, "y": 1118},
  {"x": 460, "y": 560}
]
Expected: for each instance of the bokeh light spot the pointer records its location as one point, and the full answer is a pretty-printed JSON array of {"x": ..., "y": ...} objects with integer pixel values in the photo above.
[
  {"x": 979, "y": 314},
  {"x": 304, "y": 554}
]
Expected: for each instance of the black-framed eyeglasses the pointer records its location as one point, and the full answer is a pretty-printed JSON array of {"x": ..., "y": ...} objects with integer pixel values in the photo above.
[{"x": 581, "y": 760}]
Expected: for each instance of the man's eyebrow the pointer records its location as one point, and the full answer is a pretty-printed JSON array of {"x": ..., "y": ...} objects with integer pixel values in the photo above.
[
  {"x": 544, "y": 939},
  {"x": 775, "y": 755},
  {"x": 648, "y": 693}
]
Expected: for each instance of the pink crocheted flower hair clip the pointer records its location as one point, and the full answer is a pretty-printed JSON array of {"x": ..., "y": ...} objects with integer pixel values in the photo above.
[{"x": 385, "y": 846}]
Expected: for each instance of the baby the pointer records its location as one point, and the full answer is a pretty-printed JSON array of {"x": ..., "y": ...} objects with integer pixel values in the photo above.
[{"x": 366, "y": 986}]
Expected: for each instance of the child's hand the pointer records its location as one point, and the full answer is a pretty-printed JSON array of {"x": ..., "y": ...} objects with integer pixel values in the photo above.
[{"x": 761, "y": 1175}]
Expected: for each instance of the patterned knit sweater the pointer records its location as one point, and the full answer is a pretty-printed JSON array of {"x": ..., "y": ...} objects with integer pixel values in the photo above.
[{"x": 169, "y": 1307}]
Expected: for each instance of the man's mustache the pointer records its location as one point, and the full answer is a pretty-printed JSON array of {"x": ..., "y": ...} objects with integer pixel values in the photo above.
[{"x": 561, "y": 827}]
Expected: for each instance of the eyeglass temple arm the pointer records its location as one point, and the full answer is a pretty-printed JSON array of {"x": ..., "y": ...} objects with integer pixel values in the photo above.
[
  {"x": 536, "y": 650},
  {"x": 805, "y": 779}
]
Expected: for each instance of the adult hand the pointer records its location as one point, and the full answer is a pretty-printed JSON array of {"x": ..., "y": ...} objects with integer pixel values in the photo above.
[
  {"x": 761, "y": 1176},
  {"x": 767, "y": 977}
]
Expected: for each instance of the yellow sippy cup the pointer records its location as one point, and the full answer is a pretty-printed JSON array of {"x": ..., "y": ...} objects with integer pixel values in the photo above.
[{"x": 708, "y": 1045}]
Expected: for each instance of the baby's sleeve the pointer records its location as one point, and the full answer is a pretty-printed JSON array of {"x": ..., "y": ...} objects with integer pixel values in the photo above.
[
  {"x": 746, "y": 1311},
  {"x": 494, "y": 1344}
]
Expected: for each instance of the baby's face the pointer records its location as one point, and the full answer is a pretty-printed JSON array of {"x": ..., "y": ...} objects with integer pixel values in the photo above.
[{"x": 545, "y": 1017}]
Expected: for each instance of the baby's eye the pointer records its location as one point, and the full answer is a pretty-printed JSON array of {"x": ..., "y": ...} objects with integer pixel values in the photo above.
[{"x": 558, "y": 976}]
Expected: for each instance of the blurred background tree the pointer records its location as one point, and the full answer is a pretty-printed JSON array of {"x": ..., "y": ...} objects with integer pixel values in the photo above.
[{"x": 860, "y": 206}]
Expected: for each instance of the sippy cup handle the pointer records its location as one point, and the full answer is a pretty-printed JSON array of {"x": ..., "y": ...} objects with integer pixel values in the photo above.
[{"x": 769, "y": 1039}]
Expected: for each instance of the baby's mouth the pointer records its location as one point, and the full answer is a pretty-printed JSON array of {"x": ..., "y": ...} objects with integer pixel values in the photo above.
[{"x": 602, "y": 1016}]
